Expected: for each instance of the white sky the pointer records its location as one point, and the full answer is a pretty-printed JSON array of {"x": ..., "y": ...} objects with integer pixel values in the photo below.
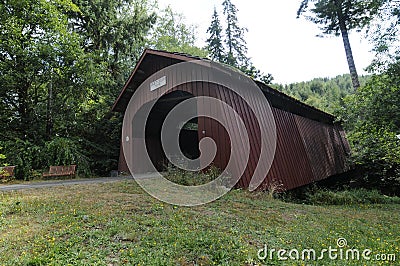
[{"x": 277, "y": 42}]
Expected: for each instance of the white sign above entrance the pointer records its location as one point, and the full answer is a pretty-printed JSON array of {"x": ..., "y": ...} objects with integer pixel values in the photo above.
[{"x": 158, "y": 83}]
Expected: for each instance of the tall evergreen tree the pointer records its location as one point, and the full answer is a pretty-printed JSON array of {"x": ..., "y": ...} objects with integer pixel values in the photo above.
[
  {"x": 339, "y": 17},
  {"x": 113, "y": 33},
  {"x": 214, "y": 41},
  {"x": 236, "y": 45},
  {"x": 233, "y": 50}
]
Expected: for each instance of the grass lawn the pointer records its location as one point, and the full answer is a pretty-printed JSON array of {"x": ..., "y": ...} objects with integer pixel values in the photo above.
[{"x": 118, "y": 223}]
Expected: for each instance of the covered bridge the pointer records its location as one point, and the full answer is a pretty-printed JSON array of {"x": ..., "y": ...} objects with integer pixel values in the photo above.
[{"x": 310, "y": 146}]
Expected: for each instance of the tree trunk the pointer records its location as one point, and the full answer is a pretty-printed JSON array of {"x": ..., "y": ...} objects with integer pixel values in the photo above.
[
  {"x": 347, "y": 47},
  {"x": 23, "y": 110},
  {"x": 350, "y": 60},
  {"x": 49, "y": 118}
]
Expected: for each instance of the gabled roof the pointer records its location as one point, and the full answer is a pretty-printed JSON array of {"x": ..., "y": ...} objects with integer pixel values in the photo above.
[
  {"x": 149, "y": 63},
  {"x": 152, "y": 61}
]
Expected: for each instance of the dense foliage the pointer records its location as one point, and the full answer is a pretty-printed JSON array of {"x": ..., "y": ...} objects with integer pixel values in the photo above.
[
  {"x": 170, "y": 33},
  {"x": 62, "y": 65},
  {"x": 323, "y": 93},
  {"x": 371, "y": 115},
  {"x": 2, "y": 157},
  {"x": 372, "y": 120}
]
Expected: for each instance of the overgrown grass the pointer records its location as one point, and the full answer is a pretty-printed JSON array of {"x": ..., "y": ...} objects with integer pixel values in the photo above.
[
  {"x": 119, "y": 224},
  {"x": 316, "y": 195},
  {"x": 349, "y": 197},
  {"x": 191, "y": 178}
]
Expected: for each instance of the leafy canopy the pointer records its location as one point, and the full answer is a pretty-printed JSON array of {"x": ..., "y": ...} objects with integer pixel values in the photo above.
[
  {"x": 62, "y": 64},
  {"x": 372, "y": 121},
  {"x": 170, "y": 33}
]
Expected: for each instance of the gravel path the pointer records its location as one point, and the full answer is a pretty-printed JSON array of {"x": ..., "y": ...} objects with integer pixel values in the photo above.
[{"x": 55, "y": 183}]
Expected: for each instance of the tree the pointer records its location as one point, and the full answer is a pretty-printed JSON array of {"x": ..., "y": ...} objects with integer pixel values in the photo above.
[
  {"x": 236, "y": 45},
  {"x": 233, "y": 50},
  {"x": 385, "y": 36},
  {"x": 214, "y": 41},
  {"x": 250, "y": 70},
  {"x": 372, "y": 123},
  {"x": 170, "y": 33},
  {"x": 113, "y": 34},
  {"x": 35, "y": 41},
  {"x": 371, "y": 114},
  {"x": 37, "y": 49},
  {"x": 323, "y": 93},
  {"x": 339, "y": 17},
  {"x": 61, "y": 66}
]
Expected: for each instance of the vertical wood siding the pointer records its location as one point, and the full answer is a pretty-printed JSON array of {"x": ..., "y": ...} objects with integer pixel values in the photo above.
[{"x": 306, "y": 150}]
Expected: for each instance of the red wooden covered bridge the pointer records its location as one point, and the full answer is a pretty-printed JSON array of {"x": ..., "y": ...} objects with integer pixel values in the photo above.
[{"x": 310, "y": 146}]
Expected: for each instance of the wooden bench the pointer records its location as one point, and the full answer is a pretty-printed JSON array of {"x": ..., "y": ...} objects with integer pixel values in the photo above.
[
  {"x": 6, "y": 172},
  {"x": 65, "y": 170}
]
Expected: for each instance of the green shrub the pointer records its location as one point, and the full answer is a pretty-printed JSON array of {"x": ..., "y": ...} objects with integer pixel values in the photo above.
[
  {"x": 2, "y": 173},
  {"x": 2, "y": 156},
  {"x": 62, "y": 151},
  {"x": 24, "y": 155},
  {"x": 372, "y": 123},
  {"x": 35, "y": 175},
  {"x": 29, "y": 157},
  {"x": 347, "y": 197},
  {"x": 191, "y": 178},
  {"x": 5, "y": 176}
]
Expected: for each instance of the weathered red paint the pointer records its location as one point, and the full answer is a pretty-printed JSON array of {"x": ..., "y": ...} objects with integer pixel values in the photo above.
[{"x": 310, "y": 146}]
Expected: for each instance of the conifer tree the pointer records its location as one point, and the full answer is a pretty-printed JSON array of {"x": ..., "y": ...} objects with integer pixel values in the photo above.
[
  {"x": 214, "y": 41},
  {"x": 236, "y": 45},
  {"x": 232, "y": 50},
  {"x": 339, "y": 17}
]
